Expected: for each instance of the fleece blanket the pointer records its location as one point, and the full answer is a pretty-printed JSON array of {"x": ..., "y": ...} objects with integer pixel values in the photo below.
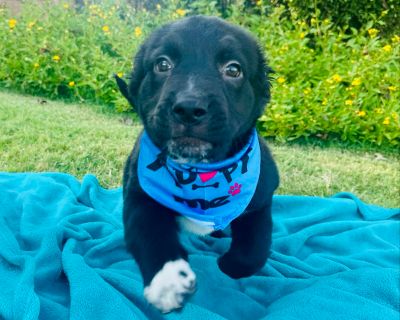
[{"x": 62, "y": 256}]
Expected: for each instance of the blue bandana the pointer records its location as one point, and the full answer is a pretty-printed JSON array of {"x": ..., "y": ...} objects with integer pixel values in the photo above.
[{"x": 211, "y": 194}]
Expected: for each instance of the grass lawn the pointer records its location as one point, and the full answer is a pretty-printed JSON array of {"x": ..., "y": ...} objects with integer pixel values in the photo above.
[{"x": 79, "y": 139}]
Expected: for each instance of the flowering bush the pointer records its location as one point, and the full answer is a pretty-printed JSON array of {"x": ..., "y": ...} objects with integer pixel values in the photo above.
[
  {"x": 346, "y": 13},
  {"x": 329, "y": 83},
  {"x": 57, "y": 51}
]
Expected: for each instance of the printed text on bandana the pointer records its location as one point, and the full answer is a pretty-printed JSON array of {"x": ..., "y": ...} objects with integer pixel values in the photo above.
[{"x": 185, "y": 178}]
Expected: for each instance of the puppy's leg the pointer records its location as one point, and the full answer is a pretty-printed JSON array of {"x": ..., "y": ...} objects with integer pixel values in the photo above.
[
  {"x": 151, "y": 235},
  {"x": 251, "y": 242}
]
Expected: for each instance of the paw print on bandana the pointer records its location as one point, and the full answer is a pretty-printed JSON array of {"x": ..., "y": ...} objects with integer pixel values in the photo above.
[{"x": 235, "y": 189}]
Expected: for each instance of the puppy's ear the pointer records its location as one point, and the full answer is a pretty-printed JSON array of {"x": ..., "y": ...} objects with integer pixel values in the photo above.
[
  {"x": 138, "y": 73},
  {"x": 262, "y": 80},
  {"x": 130, "y": 91},
  {"x": 123, "y": 88}
]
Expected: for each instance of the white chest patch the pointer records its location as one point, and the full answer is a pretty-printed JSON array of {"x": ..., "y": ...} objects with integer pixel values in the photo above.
[
  {"x": 196, "y": 227},
  {"x": 171, "y": 286}
]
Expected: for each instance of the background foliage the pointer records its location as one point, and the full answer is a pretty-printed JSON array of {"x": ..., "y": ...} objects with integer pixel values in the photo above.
[
  {"x": 348, "y": 14},
  {"x": 334, "y": 79}
]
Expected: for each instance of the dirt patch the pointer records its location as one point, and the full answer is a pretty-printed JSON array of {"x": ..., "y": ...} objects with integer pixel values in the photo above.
[{"x": 15, "y": 5}]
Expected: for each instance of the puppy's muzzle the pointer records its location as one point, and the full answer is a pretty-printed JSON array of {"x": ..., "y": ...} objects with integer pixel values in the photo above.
[{"x": 190, "y": 111}]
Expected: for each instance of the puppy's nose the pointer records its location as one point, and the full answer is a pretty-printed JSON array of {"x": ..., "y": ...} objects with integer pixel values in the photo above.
[{"x": 189, "y": 112}]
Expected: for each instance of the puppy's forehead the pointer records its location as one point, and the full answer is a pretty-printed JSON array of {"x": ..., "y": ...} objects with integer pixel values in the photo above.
[{"x": 201, "y": 35}]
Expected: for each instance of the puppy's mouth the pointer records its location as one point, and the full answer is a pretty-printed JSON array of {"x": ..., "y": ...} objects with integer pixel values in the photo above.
[{"x": 189, "y": 150}]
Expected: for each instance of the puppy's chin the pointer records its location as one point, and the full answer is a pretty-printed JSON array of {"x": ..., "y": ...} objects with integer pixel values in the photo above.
[{"x": 186, "y": 150}]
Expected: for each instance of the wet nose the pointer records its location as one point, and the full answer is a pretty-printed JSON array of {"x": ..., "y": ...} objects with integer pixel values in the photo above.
[{"x": 189, "y": 112}]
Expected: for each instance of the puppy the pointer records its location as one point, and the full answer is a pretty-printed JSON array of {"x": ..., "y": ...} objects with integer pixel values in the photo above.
[{"x": 198, "y": 85}]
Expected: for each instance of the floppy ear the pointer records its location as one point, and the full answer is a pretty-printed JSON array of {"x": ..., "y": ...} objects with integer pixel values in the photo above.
[
  {"x": 123, "y": 88},
  {"x": 138, "y": 73},
  {"x": 261, "y": 81},
  {"x": 130, "y": 91}
]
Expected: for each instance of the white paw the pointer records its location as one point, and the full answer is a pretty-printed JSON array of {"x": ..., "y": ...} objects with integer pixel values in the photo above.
[{"x": 171, "y": 286}]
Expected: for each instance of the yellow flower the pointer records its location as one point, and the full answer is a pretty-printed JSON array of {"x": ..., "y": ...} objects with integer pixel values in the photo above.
[
  {"x": 336, "y": 78},
  {"x": 66, "y": 5},
  {"x": 259, "y": 3},
  {"x": 392, "y": 88},
  {"x": 302, "y": 35},
  {"x": 36, "y": 65},
  {"x": 372, "y": 32},
  {"x": 396, "y": 38},
  {"x": 180, "y": 12},
  {"x": 12, "y": 23},
  {"x": 56, "y": 58},
  {"x": 356, "y": 82},
  {"x": 386, "y": 121},
  {"x": 71, "y": 84},
  {"x": 281, "y": 80},
  {"x": 120, "y": 74},
  {"x": 31, "y": 24},
  {"x": 387, "y": 48},
  {"x": 306, "y": 91},
  {"x": 361, "y": 113},
  {"x": 106, "y": 29},
  {"x": 138, "y": 32},
  {"x": 348, "y": 102}
]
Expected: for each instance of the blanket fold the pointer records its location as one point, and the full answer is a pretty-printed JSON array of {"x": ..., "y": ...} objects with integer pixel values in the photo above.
[{"x": 62, "y": 256}]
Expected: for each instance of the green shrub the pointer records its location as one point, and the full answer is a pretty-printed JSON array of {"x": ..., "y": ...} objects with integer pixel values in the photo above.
[
  {"x": 329, "y": 83},
  {"x": 56, "y": 51},
  {"x": 347, "y": 13}
]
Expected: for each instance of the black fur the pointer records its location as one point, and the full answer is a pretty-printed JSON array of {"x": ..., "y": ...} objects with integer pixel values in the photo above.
[{"x": 222, "y": 112}]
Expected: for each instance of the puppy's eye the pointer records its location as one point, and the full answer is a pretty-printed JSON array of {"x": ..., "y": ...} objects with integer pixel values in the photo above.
[
  {"x": 163, "y": 65},
  {"x": 233, "y": 70}
]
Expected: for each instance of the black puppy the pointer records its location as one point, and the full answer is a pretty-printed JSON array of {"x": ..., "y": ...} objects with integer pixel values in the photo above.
[{"x": 198, "y": 85}]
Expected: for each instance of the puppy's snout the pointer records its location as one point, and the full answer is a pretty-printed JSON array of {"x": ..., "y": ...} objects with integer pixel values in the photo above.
[{"x": 189, "y": 112}]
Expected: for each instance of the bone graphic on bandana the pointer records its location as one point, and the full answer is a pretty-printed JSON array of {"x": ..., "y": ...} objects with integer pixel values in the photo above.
[
  {"x": 205, "y": 176},
  {"x": 195, "y": 186}
]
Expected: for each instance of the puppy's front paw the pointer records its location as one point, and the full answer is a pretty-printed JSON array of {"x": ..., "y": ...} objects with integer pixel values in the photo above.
[
  {"x": 171, "y": 286},
  {"x": 238, "y": 265}
]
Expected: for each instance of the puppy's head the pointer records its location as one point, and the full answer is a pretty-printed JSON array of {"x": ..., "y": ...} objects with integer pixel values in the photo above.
[{"x": 199, "y": 86}]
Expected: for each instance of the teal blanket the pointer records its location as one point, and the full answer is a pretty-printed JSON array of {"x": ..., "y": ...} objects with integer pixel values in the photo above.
[{"x": 62, "y": 256}]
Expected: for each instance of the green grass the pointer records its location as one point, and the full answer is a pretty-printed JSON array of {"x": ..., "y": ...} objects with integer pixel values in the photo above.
[{"x": 81, "y": 139}]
